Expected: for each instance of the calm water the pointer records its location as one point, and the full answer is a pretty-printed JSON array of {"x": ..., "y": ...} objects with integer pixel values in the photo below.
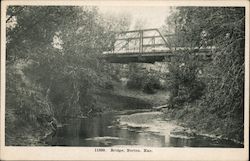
[{"x": 103, "y": 130}]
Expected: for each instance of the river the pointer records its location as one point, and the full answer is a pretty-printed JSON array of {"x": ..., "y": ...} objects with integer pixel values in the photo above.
[{"x": 131, "y": 128}]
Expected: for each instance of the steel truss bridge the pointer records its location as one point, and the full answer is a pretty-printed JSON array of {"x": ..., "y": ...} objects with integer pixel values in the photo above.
[{"x": 149, "y": 46}]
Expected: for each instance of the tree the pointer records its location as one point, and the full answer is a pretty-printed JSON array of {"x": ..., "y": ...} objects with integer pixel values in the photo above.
[
  {"x": 224, "y": 29},
  {"x": 52, "y": 63}
]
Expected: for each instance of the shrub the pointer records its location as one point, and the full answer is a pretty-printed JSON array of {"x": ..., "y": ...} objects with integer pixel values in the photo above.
[
  {"x": 135, "y": 82},
  {"x": 148, "y": 83},
  {"x": 185, "y": 86},
  {"x": 151, "y": 84}
]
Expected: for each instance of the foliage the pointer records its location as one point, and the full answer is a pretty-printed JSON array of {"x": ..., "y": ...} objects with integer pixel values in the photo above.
[
  {"x": 135, "y": 82},
  {"x": 185, "y": 86},
  {"x": 224, "y": 29},
  {"x": 52, "y": 63},
  {"x": 143, "y": 80},
  {"x": 151, "y": 84}
]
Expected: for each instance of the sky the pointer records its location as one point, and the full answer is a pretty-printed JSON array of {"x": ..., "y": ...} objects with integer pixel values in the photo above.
[{"x": 154, "y": 16}]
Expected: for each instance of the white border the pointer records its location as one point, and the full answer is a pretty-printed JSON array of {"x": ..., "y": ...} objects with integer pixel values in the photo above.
[{"x": 86, "y": 153}]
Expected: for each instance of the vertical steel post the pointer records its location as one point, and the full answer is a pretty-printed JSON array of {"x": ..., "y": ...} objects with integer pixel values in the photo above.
[
  {"x": 141, "y": 41},
  {"x": 153, "y": 41},
  {"x": 128, "y": 45}
]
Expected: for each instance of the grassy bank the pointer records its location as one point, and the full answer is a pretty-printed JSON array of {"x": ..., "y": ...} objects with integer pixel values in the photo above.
[
  {"x": 113, "y": 101},
  {"x": 204, "y": 123}
]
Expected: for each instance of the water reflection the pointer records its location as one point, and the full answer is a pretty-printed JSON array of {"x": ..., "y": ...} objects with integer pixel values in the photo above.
[{"x": 102, "y": 131}]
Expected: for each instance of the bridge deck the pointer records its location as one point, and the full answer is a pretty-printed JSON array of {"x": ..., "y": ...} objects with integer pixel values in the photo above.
[{"x": 155, "y": 56}]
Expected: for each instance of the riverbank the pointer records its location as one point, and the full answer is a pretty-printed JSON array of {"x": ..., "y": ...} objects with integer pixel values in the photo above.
[
  {"x": 190, "y": 117},
  {"x": 121, "y": 98},
  {"x": 137, "y": 115},
  {"x": 159, "y": 98},
  {"x": 174, "y": 132},
  {"x": 106, "y": 101},
  {"x": 199, "y": 122},
  {"x": 25, "y": 136}
]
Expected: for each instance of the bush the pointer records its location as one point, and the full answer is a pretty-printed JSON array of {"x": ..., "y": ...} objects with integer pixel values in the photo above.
[
  {"x": 146, "y": 82},
  {"x": 109, "y": 85},
  {"x": 148, "y": 88},
  {"x": 135, "y": 82},
  {"x": 185, "y": 86},
  {"x": 151, "y": 84}
]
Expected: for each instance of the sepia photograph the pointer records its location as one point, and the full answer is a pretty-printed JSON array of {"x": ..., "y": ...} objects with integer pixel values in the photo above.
[{"x": 129, "y": 78}]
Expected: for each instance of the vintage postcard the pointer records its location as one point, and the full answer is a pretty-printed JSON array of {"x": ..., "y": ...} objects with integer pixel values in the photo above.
[{"x": 124, "y": 80}]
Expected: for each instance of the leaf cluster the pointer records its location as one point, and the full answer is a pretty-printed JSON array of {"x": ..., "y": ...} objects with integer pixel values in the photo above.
[{"x": 224, "y": 29}]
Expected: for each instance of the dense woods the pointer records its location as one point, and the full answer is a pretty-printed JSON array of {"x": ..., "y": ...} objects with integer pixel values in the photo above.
[
  {"x": 52, "y": 64},
  {"x": 213, "y": 102},
  {"x": 53, "y": 68}
]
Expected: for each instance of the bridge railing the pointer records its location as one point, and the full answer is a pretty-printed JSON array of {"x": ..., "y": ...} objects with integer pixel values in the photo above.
[
  {"x": 150, "y": 40},
  {"x": 139, "y": 41}
]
